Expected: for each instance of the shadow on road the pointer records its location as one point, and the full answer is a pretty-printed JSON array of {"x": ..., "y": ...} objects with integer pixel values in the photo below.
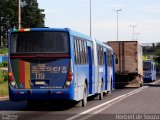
[
  {"x": 8, "y": 105},
  {"x": 52, "y": 106},
  {"x": 39, "y": 106}
]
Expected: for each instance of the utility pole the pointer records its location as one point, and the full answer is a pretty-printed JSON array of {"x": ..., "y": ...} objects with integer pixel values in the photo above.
[
  {"x": 133, "y": 26},
  {"x": 117, "y": 20},
  {"x": 117, "y": 39},
  {"x": 1, "y": 30},
  {"x": 19, "y": 14},
  {"x": 137, "y": 35},
  {"x": 90, "y": 18}
]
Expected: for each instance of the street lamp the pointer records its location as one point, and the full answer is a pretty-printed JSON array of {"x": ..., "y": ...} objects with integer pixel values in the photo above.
[
  {"x": 133, "y": 26},
  {"x": 90, "y": 18},
  {"x": 19, "y": 14},
  {"x": 137, "y": 35},
  {"x": 117, "y": 20}
]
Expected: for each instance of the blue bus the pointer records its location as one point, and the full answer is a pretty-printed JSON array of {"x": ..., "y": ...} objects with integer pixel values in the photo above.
[
  {"x": 149, "y": 69},
  {"x": 58, "y": 64}
]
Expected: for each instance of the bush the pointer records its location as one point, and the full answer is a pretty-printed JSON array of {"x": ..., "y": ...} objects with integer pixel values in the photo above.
[
  {"x": 4, "y": 64},
  {"x": 4, "y": 89},
  {"x": 3, "y": 50},
  {"x": 3, "y": 76}
]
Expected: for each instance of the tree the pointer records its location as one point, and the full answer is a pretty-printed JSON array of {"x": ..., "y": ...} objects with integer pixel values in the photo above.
[
  {"x": 31, "y": 16},
  {"x": 158, "y": 45},
  {"x": 157, "y": 52}
]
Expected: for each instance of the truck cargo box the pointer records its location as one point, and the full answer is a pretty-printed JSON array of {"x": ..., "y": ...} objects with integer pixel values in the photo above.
[{"x": 129, "y": 70}]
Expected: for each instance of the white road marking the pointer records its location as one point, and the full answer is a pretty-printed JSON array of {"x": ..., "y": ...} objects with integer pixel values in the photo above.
[{"x": 109, "y": 103}]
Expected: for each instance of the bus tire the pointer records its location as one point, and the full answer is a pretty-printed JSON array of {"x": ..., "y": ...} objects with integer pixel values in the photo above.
[
  {"x": 101, "y": 92},
  {"x": 85, "y": 93},
  {"x": 110, "y": 92}
]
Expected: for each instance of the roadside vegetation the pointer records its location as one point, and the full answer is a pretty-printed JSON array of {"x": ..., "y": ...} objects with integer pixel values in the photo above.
[
  {"x": 3, "y": 83},
  {"x": 3, "y": 74},
  {"x": 30, "y": 13},
  {"x": 153, "y": 53},
  {"x": 4, "y": 51}
]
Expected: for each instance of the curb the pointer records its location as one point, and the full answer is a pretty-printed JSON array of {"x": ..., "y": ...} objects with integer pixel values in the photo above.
[{"x": 4, "y": 98}]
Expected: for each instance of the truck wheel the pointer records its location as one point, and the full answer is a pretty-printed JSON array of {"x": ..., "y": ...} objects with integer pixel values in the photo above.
[{"x": 85, "y": 93}]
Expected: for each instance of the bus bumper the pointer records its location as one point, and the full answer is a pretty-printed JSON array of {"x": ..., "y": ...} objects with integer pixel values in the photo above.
[{"x": 40, "y": 94}]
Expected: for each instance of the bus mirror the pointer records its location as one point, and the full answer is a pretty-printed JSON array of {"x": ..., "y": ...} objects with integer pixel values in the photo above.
[{"x": 116, "y": 60}]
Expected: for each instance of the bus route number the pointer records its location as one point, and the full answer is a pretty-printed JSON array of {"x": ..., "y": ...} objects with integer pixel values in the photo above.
[{"x": 39, "y": 75}]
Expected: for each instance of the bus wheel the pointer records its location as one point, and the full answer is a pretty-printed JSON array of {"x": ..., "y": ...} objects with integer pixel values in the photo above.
[
  {"x": 109, "y": 93},
  {"x": 85, "y": 93},
  {"x": 101, "y": 92}
]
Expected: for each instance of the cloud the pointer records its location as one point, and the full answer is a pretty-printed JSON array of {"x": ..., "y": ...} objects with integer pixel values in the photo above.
[
  {"x": 115, "y": 6},
  {"x": 154, "y": 8}
]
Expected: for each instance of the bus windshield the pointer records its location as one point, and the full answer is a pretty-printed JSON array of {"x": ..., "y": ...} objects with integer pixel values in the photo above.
[
  {"x": 146, "y": 66},
  {"x": 40, "y": 42}
]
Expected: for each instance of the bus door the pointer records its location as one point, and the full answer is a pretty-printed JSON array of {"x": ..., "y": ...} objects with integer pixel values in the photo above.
[
  {"x": 105, "y": 64},
  {"x": 76, "y": 61},
  {"x": 109, "y": 70},
  {"x": 90, "y": 69}
]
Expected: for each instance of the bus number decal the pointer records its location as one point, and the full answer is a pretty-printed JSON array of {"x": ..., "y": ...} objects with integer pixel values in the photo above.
[
  {"x": 40, "y": 68},
  {"x": 39, "y": 75}
]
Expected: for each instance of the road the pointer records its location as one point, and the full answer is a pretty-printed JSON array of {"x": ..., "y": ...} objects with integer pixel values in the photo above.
[{"x": 135, "y": 104}]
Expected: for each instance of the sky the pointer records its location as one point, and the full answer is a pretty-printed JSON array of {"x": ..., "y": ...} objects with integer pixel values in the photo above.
[{"x": 75, "y": 14}]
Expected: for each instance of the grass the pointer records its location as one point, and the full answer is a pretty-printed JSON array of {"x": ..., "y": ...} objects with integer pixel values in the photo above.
[
  {"x": 3, "y": 50},
  {"x": 1, "y": 78},
  {"x": 4, "y": 89},
  {"x": 3, "y": 84}
]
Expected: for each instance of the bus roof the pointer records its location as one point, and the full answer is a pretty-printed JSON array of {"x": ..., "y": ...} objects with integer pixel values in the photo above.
[
  {"x": 72, "y": 32},
  {"x": 149, "y": 61},
  {"x": 78, "y": 34},
  {"x": 103, "y": 44},
  {"x": 40, "y": 29}
]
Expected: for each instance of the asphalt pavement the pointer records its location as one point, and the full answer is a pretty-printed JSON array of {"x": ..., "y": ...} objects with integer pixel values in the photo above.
[{"x": 122, "y": 104}]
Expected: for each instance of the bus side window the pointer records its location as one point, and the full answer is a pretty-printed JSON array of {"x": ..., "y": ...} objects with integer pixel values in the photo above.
[
  {"x": 109, "y": 59},
  {"x": 152, "y": 67},
  {"x": 85, "y": 61},
  {"x": 75, "y": 51},
  {"x": 86, "y": 52},
  {"x": 82, "y": 52},
  {"x": 98, "y": 51},
  {"x": 78, "y": 52}
]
